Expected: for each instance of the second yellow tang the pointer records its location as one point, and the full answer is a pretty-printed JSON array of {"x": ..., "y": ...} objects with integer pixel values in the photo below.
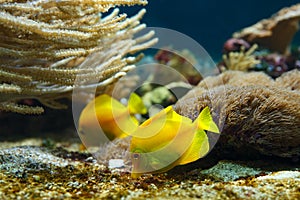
[{"x": 106, "y": 114}]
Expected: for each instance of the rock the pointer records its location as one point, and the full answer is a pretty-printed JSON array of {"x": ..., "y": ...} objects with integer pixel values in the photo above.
[
  {"x": 230, "y": 171},
  {"x": 266, "y": 33},
  {"x": 20, "y": 160},
  {"x": 115, "y": 163}
]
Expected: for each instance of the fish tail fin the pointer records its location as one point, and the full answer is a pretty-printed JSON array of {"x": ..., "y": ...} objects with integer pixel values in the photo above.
[
  {"x": 136, "y": 105},
  {"x": 205, "y": 121}
]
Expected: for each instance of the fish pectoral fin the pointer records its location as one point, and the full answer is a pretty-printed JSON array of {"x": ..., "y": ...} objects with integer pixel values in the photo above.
[
  {"x": 205, "y": 121},
  {"x": 198, "y": 148},
  {"x": 136, "y": 105},
  {"x": 156, "y": 165}
]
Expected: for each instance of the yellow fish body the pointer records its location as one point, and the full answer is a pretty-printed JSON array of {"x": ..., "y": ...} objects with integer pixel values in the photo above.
[
  {"x": 169, "y": 139},
  {"x": 160, "y": 143},
  {"x": 108, "y": 115}
]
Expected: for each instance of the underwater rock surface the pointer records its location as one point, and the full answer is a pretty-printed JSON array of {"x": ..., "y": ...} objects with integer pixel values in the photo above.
[
  {"x": 257, "y": 115},
  {"x": 69, "y": 173}
]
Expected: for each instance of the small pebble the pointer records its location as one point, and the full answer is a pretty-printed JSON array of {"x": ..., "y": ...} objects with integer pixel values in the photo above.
[
  {"x": 68, "y": 194},
  {"x": 36, "y": 177},
  {"x": 116, "y": 163}
]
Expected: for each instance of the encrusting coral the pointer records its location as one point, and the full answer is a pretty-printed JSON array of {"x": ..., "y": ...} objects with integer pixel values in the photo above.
[
  {"x": 46, "y": 45},
  {"x": 254, "y": 114}
]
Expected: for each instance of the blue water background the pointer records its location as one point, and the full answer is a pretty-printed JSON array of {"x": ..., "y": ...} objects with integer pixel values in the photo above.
[{"x": 209, "y": 22}]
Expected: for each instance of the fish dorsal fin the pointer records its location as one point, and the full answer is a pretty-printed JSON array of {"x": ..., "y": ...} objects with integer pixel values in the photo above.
[
  {"x": 198, "y": 148},
  {"x": 136, "y": 105},
  {"x": 205, "y": 121},
  {"x": 105, "y": 103}
]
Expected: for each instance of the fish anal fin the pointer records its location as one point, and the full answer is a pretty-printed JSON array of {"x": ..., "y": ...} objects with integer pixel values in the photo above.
[{"x": 198, "y": 148}]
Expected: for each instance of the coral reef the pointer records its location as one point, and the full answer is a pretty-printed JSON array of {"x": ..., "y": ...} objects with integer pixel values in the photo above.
[
  {"x": 275, "y": 33},
  {"x": 272, "y": 53},
  {"x": 183, "y": 61},
  {"x": 241, "y": 60},
  {"x": 235, "y": 44},
  {"x": 275, "y": 64},
  {"x": 159, "y": 96},
  {"x": 46, "y": 45},
  {"x": 262, "y": 56},
  {"x": 255, "y": 59},
  {"x": 255, "y": 113}
]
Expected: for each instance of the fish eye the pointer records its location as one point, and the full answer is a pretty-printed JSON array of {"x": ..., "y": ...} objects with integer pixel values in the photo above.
[{"x": 136, "y": 156}]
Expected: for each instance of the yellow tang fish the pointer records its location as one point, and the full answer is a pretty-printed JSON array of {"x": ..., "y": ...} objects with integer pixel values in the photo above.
[
  {"x": 115, "y": 119},
  {"x": 168, "y": 139}
]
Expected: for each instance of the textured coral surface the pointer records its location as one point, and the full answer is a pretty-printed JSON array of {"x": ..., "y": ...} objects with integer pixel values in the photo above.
[{"x": 255, "y": 112}]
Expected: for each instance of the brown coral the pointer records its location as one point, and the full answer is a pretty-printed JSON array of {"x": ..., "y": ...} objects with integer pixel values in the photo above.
[
  {"x": 46, "y": 45},
  {"x": 275, "y": 33},
  {"x": 257, "y": 116},
  {"x": 289, "y": 80}
]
